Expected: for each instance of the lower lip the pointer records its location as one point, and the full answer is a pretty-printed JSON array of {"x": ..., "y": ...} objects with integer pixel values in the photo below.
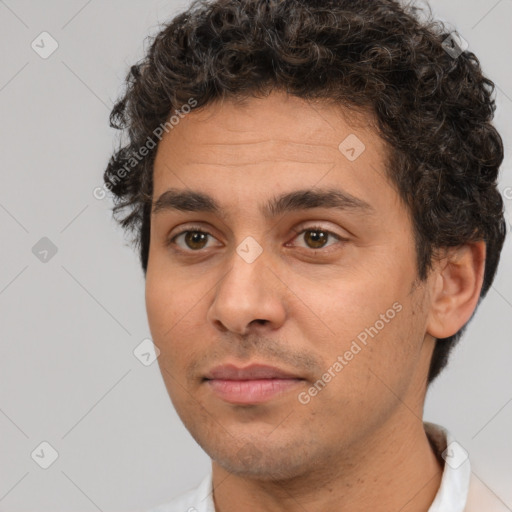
[{"x": 251, "y": 391}]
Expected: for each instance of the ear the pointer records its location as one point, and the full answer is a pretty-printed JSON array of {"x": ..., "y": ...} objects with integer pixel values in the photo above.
[{"x": 455, "y": 290}]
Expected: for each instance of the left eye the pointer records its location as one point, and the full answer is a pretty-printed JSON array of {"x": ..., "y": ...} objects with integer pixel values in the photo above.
[{"x": 316, "y": 237}]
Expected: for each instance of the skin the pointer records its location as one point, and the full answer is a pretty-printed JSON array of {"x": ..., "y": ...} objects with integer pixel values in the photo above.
[{"x": 359, "y": 444}]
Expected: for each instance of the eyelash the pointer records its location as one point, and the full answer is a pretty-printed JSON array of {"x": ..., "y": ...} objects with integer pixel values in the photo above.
[{"x": 196, "y": 229}]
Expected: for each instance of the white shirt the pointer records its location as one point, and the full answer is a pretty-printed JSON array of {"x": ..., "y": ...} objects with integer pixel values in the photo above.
[{"x": 460, "y": 490}]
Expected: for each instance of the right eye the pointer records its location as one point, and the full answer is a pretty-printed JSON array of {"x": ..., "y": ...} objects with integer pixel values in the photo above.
[{"x": 194, "y": 239}]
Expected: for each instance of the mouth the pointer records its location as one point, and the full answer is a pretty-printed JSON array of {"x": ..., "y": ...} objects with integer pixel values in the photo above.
[{"x": 250, "y": 385}]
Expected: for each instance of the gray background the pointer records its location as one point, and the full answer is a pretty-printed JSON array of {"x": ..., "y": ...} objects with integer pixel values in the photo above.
[{"x": 69, "y": 325}]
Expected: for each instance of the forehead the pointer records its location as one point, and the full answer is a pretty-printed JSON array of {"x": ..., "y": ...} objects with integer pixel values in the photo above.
[
  {"x": 299, "y": 128},
  {"x": 263, "y": 145}
]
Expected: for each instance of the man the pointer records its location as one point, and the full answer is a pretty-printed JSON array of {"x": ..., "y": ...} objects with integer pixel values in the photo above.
[{"x": 313, "y": 190}]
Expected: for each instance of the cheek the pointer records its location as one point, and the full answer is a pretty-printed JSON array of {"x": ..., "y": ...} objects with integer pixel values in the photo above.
[
  {"x": 172, "y": 307},
  {"x": 170, "y": 301},
  {"x": 370, "y": 323},
  {"x": 345, "y": 307},
  {"x": 369, "y": 366},
  {"x": 159, "y": 307}
]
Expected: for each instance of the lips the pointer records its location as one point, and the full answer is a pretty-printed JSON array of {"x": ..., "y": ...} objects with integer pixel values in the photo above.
[
  {"x": 251, "y": 385},
  {"x": 252, "y": 372}
]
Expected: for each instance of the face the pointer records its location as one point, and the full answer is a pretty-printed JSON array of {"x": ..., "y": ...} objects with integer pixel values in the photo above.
[{"x": 307, "y": 265}]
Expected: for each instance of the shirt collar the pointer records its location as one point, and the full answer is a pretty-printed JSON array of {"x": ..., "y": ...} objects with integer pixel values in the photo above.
[{"x": 453, "y": 491}]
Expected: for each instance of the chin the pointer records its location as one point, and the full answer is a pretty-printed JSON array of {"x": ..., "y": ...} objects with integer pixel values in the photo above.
[{"x": 265, "y": 464}]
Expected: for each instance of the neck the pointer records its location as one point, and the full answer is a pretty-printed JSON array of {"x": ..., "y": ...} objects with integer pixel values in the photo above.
[{"x": 394, "y": 470}]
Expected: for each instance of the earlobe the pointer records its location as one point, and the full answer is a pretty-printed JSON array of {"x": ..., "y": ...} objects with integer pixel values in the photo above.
[{"x": 456, "y": 288}]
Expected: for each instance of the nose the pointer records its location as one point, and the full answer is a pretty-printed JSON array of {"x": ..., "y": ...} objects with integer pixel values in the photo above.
[{"x": 247, "y": 297}]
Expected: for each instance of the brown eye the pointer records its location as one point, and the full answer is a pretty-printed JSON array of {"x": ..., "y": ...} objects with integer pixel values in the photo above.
[
  {"x": 193, "y": 240},
  {"x": 316, "y": 238},
  {"x": 196, "y": 239}
]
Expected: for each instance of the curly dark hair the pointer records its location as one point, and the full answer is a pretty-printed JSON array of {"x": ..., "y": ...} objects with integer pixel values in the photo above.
[{"x": 433, "y": 107}]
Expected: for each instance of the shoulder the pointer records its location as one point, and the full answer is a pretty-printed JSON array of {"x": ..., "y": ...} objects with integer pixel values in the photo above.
[
  {"x": 198, "y": 499},
  {"x": 482, "y": 498}
]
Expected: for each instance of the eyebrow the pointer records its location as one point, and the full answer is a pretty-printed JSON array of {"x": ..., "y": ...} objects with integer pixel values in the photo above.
[{"x": 191, "y": 201}]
